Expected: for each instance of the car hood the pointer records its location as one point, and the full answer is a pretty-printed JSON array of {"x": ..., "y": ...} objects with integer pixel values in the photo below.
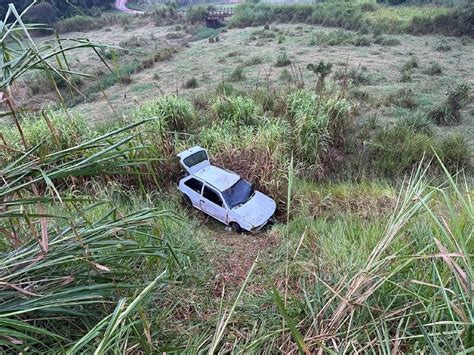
[{"x": 258, "y": 210}]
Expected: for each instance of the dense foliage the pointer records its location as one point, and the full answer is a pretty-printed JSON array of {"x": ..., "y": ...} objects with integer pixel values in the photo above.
[
  {"x": 46, "y": 11},
  {"x": 361, "y": 16}
]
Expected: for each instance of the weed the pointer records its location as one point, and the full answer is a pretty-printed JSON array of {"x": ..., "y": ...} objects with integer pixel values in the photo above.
[
  {"x": 448, "y": 112},
  {"x": 403, "y": 98},
  {"x": 356, "y": 76},
  {"x": 237, "y": 74},
  {"x": 285, "y": 76},
  {"x": 170, "y": 112},
  {"x": 237, "y": 110},
  {"x": 417, "y": 122},
  {"x": 410, "y": 64},
  {"x": 191, "y": 83},
  {"x": 361, "y": 41},
  {"x": 434, "y": 68},
  {"x": 282, "y": 60},
  {"x": 254, "y": 61},
  {"x": 455, "y": 152}
]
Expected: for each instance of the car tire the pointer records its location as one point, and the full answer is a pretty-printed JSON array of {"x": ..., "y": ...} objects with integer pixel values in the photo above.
[
  {"x": 187, "y": 200},
  {"x": 236, "y": 228}
]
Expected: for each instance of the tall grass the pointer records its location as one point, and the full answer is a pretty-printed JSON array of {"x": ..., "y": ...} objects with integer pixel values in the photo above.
[
  {"x": 360, "y": 16},
  {"x": 71, "y": 256}
]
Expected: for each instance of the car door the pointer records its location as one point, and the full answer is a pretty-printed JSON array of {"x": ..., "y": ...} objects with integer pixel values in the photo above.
[
  {"x": 193, "y": 189},
  {"x": 213, "y": 204}
]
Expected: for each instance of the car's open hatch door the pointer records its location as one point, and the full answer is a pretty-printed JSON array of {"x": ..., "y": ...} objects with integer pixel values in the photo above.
[{"x": 194, "y": 159}]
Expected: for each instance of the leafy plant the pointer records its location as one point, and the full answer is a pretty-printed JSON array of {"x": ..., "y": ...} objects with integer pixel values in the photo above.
[
  {"x": 321, "y": 70},
  {"x": 283, "y": 60}
]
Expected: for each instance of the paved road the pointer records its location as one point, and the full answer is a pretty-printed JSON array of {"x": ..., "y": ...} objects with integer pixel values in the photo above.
[{"x": 122, "y": 6}]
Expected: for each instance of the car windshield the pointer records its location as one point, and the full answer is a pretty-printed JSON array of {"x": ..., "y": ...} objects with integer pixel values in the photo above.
[
  {"x": 239, "y": 193},
  {"x": 195, "y": 158}
]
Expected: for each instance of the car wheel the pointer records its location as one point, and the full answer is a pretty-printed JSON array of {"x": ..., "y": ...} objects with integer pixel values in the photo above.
[
  {"x": 187, "y": 200},
  {"x": 235, "y": 227}
]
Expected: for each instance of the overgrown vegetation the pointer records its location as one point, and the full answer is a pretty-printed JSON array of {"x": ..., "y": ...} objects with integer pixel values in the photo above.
[
  {"x": 359, "y": 15},
  {"x": 98, "y": 255}
]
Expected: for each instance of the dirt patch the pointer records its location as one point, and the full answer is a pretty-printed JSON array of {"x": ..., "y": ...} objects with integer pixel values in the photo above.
[{"x": 233, "y": 265}]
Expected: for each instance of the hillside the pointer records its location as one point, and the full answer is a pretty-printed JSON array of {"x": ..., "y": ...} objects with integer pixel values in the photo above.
[{"x": 358, "y": 124}]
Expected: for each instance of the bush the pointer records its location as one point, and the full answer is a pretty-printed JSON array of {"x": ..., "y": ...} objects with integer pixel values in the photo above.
[
  {"x": 316, "y": 123},
  {"x": 79, "y": 23},
  {"x": 225, "y": 88},
  {"x": 357, "y": 76},
  {"x": 403, "y": 98},
  {"x": 172, "y": 112},
  {"x": 62, "y": 133},
  {"x": 191, "y": 83},
  {"x": 416, "y": 122},
  {"x": 455, "y": 152},
  {"x": 206, "y": 32},
  {"x": 411, "y": 63},
  {"x": 282, "y": 60},
  {"x": 386, "y": 41},
  {"x": 237, "y": 74},
  {"x": 456, "y": 21},
  {"x": 433, "y": 69},
  {"x": 238, "y": 110},
  {"x": 395, "y": 151},
  {"x": 254, "y": 61},
  {"x": 361, "y": 41},
  {"x": 449, "y": 111},
  {"x": 165, "y": 54},
  {"x": 42, "y": 13},
  {"x": 196, "y": 14}
]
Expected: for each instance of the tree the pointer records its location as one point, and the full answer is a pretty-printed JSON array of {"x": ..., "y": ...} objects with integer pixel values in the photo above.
[{"x": 43, "y": 12}]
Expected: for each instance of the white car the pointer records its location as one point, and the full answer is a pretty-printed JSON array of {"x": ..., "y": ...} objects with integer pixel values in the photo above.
[{"x": 223, "y": 194}]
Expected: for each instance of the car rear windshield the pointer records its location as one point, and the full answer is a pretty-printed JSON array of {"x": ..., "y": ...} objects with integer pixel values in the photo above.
[
  {"x": 195, "y": 159},
  {"x": 239, "y": 193}
]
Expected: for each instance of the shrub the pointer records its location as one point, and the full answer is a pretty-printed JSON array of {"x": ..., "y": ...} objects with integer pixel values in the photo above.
[
  {"x": 60, "y": 133},
  {"x": 455, "y": 152},
  {"x": 206, "y": 32},
  {"x": 191, "y": 83},
  {"x": 417, "y": 122},
  {"x": 225, "y": 88},
  {"x": 386, "y": 41},
  {"x": 43, "y": 13},
  {"x": 238, "y": 110},
  {"x": 317, "y": 122},
  {"x": 395, "y": 151},
  {"x": 254, "y": 61},
  {"x": 403, "y": 98},
  {"x": 449, "y": 111},
  {"x": 411, "y": 63},
  {"x": 78, "y": 23},
  {"x": 457, "y": 21},
  {"x": 165, "y": 54},
  {"x": 172, "y": 113},
  {"x": 433, "y": 69},
  {"x": 361, "y": 41},
  {"x": 285, "y": 76},
  {"x": 443, "y": 46},
  {"x": 237, "y": 74},
  {"x": 357, "y": 76},
  {"x": 321, "y": 70},
  {"x": 282, "y": 60},
  {"x": 196, "y": 14}
]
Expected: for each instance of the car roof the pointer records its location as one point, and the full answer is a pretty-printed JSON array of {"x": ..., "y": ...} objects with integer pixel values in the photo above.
[
  {"x": 190, "y": 151},
  {"x": 216, "y": 177}
]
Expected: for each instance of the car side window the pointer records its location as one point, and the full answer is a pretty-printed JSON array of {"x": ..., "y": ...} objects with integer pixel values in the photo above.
[
  {"x": 212, "y": 196},
  {"x": 194, "y": 184}
]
